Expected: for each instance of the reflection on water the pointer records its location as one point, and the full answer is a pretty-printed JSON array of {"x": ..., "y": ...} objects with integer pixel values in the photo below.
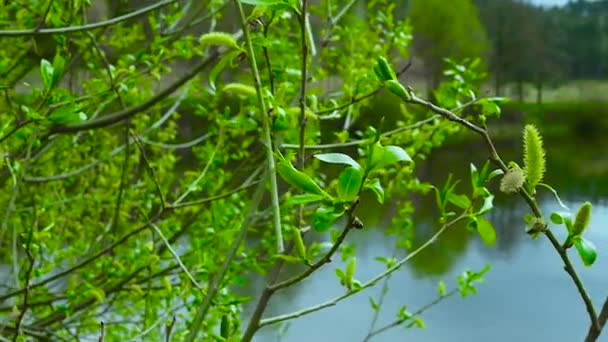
[{"x": 527, "y": 297}]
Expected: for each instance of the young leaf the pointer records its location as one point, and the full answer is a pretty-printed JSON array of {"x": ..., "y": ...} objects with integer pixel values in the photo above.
[
  {"x": 225, "y": 327},
  {"x": 350, "y": 269},
  {"x": 298, "y": 178},
  {"x": 66, "y": 115},
  {"x": 299, "y": 243},
  {"x": 324, "y": 218},
  {"x": 383, "y": 156},
  {"x": 58, "y": 68},
  {"x": 586, "y": 250},
  {"x": 384, "y": 71},
  {"x": 349, "y": 183},
  {"x": 581, "y": 221},
  {"x": 375, "y": 186},
  {"x": 441, "y": 288},
  {"x": 485, "y": 230},
  {"x": 303, "y": 199},
  {"x": 46, "y": 73},
  {"x": 217, "y": 69},
  {"x": 373, "y": 303},
  {"x": 461, "y": 201},
  {"x": 338, "y": 158},
  {"x": 559, "y": 217},
  {"x": 487, "y": 205}
]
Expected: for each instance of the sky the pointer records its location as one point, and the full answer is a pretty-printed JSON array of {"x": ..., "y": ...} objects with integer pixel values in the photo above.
[{"x": 549, "y": 2}]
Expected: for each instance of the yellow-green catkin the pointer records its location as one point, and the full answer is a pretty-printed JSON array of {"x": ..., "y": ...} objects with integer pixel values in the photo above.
[
  {"x": 581, "y": 221},
  {"x": 534, "y": 156},
  {"x": 218, "y": 38},
  {"x": 240, "y": 89}
]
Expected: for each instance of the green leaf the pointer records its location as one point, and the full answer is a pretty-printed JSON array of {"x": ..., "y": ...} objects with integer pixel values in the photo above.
[
  {"x": 350, "y": 270},
  {"x": 373, "y": 303},
  {"x": 338, "y": 158},
  {"x": 217, "y": 69},
  {"x": 349, "y": 184},
  {"x": 46, "y": 73},
  {"x": 58, "y": 68},
  {"x": 303, "y": 199},
  {"x": 375, "y": 186},
  {"x": 324, "y": 218},
  {"x": 297, "y": 178},
  {"x": 495, "y": 173},
  {"x": 383, "y": 156},
  {"x": 461, "y": 201},
  {"x": 66, "y": 115},
  {"x": 441, "y": 288},
  {"x": 586, "y": 250},
  {"x": 488, "y": 204},
  {"x": 225, "y": 326},
  {"x": 485, "y": 230},
  {"x": 556, "y": 218}
]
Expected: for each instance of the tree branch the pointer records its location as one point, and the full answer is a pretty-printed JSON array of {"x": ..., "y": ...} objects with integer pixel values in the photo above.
[
  {"x": 127, "y": 113},
  {"x": 274, "y": 193},
  {"x": 62, "y": 30},
  {"x": 369, "y": 283}
]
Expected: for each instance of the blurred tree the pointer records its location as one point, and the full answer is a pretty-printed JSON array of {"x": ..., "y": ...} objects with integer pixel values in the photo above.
[{"x": 442, "y": 30}]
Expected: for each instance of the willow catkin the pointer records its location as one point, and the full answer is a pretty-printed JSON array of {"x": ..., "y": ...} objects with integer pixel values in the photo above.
[{"x": 534, "y": 156}]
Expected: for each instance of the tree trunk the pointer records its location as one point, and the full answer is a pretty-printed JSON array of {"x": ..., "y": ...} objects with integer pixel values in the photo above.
[
  {"x": 520, "y": 90},
  {"x": 497, "y": 84},
  {"x": 539, "y": 90}
]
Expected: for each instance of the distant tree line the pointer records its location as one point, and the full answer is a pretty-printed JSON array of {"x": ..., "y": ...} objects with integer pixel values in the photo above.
[
  {"x": 522, "y": 43},
  {"x": 540, "y": 45}
]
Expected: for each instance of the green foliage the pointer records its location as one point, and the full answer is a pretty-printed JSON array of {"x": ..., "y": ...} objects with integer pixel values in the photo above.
[
  {"x": 442, "y": 31},
  {"x": 129, "y": 160}
]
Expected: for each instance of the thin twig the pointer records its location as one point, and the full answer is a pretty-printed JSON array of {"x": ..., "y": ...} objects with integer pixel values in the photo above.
[
  {"x": 176, "y": 256},
  {"x": 43, "y": 19},
  {"x": 594, "y": 333},
  {"x": 418, "y": 312},
  {"x": 274, "y": 192},
  {"x": 127, "y": 113},
  {"x": 101, "y": 331},
  {"x": 28, "y": 275},
  {"x": 363, "y": 141},
  {"x": 115, "y": 152},
  {"x": 256, "y": 322},
  {"x": 203, "y": 173},
  {"x": 151, "y": 171},
  {"x": 214, "y": 286},
  {"x": 369, "y": 283},
  {"x": 483, "y": 132},
  {"x": 62, "y": 30}
]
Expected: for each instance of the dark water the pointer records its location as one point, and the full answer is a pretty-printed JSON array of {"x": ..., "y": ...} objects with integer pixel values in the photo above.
[{"x": 527, "y": 296}]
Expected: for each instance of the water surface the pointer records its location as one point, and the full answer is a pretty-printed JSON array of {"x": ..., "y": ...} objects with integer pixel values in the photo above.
[{"x": 527, "y": 296}]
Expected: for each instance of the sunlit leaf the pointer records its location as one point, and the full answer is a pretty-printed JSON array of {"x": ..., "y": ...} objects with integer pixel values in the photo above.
[
  {"x": 586, "y": 249},
  {"x": 377, "y": 188},
  {"x": 349, "y": 183},
  {"x": 461, "y": 201},
  {"x": 338, "y": 158},
  {"x": 46, "y": 73}
]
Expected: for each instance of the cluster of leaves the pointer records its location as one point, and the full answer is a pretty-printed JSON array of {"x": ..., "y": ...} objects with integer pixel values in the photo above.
[{"x": 84, "y": 204}]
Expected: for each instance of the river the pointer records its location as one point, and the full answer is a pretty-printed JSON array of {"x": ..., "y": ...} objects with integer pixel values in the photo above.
[{"x": 527, "y": 296}]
